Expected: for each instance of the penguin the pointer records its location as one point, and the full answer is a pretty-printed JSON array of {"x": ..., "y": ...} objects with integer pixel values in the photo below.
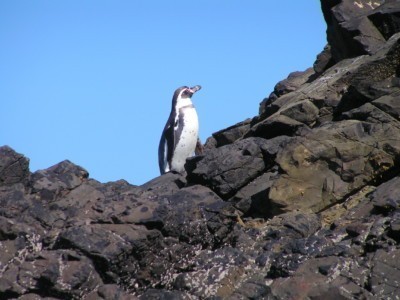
[{"x": 180, "y": 137}]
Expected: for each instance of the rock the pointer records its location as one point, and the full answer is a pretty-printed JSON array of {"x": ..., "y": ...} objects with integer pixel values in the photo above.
[
  {"x": 109, "y": 292},
  {"x": 304, "y": 112},
  {"x": 34, "y": 297},
  {"x": 326, "y": 151},
  {"x": 293, "y": 82},
  {"x": 295, "y": 224},
  {"x": 61, "y": 273},
  {"x": 253, "y": 290},
  {"x": 227, "y": 169},
  {"x": 385, "y": 273},
  {"x": 252, "y": 200},
  {"x": 231, "y": 134},
  {"x": 298, "y": 202},
  {"x": 14, "y": 167},
  {"x": 350, "y": 33},
  {"x": 185, "y": 214},
  {"x": 210, "y": 143},
  {"x": 224, "y": 168},
  {"x": 106, "y": 245},
  {"x": 386, "y": 18},
  {"x": 389, "y": 104},
  {"x": 362, "y": 93},
  {"x": 13, "y": 200},
  {"x": 386, "y": 199},
  {"x": 275, "y": 126},
  {"x": 340, "y": 210},
  {"x": 312, "y": 282},
  {"x": 288, "y": 85},
  {"x": 64, "y": 176},
  {"x": 324, "y": 61},
  {"x": 219, "y": 272},
  {"x": 166, "y": 184},
  {"x": 394, "y": 230},
  {"x": 153, "y": 294}
]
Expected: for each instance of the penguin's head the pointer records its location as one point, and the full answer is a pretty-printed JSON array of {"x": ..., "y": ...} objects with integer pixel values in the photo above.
[
  {"x": 184, "y": 93},
  {"x": 187, "y": 92}
]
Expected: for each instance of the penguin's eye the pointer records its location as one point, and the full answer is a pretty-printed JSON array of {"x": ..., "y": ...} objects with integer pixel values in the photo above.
[{"x": 185, "y": 94}]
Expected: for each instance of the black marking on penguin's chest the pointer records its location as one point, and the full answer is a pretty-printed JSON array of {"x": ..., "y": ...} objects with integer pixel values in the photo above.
[{"x": 179, "y": 127}]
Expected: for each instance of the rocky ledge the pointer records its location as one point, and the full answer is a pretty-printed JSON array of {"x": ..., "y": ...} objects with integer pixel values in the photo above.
[{"x": 299, "y": 202}]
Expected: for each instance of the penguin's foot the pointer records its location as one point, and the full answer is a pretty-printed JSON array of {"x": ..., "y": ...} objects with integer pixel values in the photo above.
[{"x": 199, "y": 150}]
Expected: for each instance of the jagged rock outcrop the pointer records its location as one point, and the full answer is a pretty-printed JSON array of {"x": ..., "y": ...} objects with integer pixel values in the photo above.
[{"x": 299, "y": 202}]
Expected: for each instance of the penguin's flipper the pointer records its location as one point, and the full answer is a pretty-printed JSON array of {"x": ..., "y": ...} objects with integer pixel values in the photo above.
[
  {"x": 166, "y": 148},
  {"x": 170, "y": 143},
  {"x": 162, "y": 155}
]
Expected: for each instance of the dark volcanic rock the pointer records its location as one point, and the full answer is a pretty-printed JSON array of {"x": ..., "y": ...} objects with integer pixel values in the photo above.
[
  {"x": 275, "y": 126},
  {"x": 14, "y": 167},
  {"x": 386, "y": 18},
  {"x": 350, "y": 33},
  {"x": 59, "y": 273},
  {"x": 231, "y": 134},
  {"x": 385, "y": 273},
  {"x": 299, "y": 202},
  {"x": 229, "y": 168},
  {"x": 387, "y": 198},
  {"x": 288, "y": 85},
  {"x": 109, "y": 292},
  {"x": 324, "y": 60}
]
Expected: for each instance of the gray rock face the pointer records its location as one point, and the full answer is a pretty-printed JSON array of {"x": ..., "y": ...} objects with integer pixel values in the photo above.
[{"x": 300, "y": 202}]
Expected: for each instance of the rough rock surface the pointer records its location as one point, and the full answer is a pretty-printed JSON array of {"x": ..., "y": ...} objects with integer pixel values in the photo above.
[{"x": 299, "y": 202}]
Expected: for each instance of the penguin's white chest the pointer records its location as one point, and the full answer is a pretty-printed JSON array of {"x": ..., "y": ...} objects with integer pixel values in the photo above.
[{"x": 188, "y": 125}]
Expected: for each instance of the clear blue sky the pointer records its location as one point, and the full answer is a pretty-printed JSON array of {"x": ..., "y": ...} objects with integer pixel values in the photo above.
[{"x": 92, "y": 81}]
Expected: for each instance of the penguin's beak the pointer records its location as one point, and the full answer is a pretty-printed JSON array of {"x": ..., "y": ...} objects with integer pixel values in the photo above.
[{"x": 194, "y": 89}]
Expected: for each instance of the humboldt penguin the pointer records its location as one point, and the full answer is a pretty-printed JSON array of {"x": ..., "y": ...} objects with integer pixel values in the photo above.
[{"x": 180, "y": 138}]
